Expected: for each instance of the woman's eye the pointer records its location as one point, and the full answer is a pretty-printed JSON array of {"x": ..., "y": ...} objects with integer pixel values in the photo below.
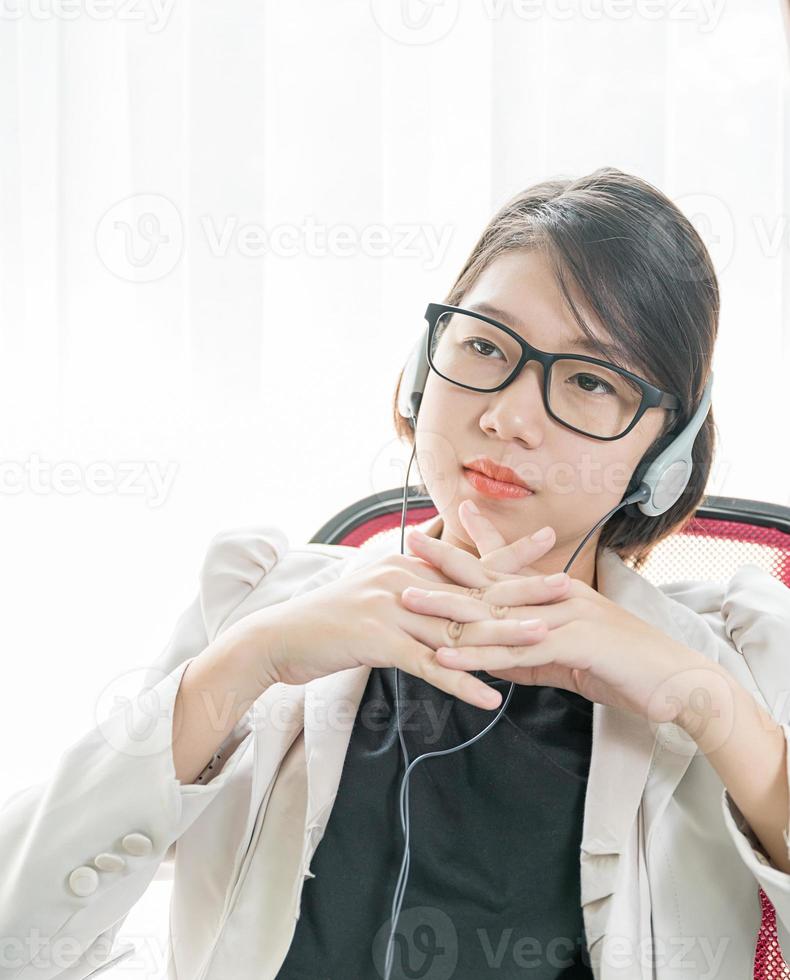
[
  {"x": 608, "y": 389},
  {"x": 476, "y": 343}
]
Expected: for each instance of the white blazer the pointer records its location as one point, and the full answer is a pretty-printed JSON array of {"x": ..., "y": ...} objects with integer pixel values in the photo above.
[{"x": 667, "y": 861}]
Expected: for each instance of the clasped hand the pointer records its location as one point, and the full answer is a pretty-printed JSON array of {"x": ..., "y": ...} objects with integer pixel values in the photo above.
[{"x": 583, "y": 642}]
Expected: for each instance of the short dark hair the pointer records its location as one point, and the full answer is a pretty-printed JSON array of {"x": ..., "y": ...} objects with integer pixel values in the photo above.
[{"x": 646, "y": 274}]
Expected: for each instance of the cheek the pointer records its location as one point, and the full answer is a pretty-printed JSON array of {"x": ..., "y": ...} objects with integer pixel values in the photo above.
[
  {"x": 436, "y": 399},
  {"x": 616, "y": 470},
  {"x": 446, "y": 411},
  {"x": 588, "y": 474},
  {"x": 437, "y": 456},
  {"x": 440, "y": 393}
]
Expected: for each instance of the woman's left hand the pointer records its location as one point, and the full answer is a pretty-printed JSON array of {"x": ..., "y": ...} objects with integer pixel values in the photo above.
[{"x": 592, "y": 647}]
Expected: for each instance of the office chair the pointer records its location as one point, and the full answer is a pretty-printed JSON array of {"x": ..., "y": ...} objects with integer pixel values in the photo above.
[{"x": 723, "y": 534}]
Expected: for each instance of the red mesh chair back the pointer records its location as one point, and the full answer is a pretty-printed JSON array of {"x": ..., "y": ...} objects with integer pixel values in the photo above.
[{"x": 725, "y": 533}]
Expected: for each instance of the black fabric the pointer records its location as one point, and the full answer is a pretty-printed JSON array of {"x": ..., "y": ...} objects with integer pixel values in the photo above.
[{"x": 495, "y": 836}]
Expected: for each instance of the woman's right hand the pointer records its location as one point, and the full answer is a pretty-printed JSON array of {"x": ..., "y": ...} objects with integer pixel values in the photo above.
[{"x": 360, "y": 619}]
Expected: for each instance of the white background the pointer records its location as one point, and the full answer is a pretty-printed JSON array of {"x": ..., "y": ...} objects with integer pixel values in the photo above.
[{"x": 164, "y": 305}]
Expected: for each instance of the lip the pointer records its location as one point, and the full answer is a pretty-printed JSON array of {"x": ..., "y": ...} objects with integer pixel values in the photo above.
[
  {"x": 500, "y": 474},
  {"x": 495, "y": 488}
]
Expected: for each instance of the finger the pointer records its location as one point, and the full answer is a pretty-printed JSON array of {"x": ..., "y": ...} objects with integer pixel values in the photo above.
[
  {"x": 473, "y": 572},
  {"x": 420, "y": 661},
  {"x": 530, "y": 590},
  {"x": 559, "y": 646},
  {"x": 436, "y": 631},
  {"x": 512, "y": 599},
  {"x": 455, "y": 563},
  {"x": 485, "y": 536},
  {"x": 544, "y": 675},
  {"x": 515, "y": 558},
  {"x": 518, "y": 556},
  {"x": 490, "y": 658}
]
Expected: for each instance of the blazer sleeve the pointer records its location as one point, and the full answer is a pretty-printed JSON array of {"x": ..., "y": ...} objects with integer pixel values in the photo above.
[
  {"x": 756, "y": 617},
  {"x": 79, "y": 849}
]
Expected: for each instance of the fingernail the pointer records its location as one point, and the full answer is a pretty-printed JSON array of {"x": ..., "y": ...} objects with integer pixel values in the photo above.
[
  {"x": 472, "y": 507},
  {"x": 419, "y": 535},
  {"x": 558, "y": 578},
  {"x": 530, "y": 624},
  {"x": 447, "y": 652},
  {"x": 412, "y": 591},
  {"x": 542, "y": 535}
]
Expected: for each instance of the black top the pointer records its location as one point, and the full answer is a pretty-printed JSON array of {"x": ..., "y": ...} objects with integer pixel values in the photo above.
[{"x": 495, "y": 835}]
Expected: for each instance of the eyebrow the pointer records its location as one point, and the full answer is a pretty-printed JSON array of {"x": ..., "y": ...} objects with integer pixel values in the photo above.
[{"x": 581, "y": 341}]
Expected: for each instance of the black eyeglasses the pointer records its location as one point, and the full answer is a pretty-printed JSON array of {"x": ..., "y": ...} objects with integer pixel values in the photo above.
[{"x": 588, "y": 395}]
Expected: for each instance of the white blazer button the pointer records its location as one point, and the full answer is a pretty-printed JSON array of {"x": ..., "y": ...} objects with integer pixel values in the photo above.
[
  {"x": 109, "y": 862},
  {"x": 83, "y": 881},
  {"x": 137, "y": 844}
]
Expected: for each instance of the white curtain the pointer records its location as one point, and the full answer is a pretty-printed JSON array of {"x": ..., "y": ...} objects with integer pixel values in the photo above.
[{"x": 220, "y": 224}]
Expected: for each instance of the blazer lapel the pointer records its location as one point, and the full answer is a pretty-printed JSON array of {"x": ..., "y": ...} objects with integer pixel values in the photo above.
[{"x": 627, "y": 750}]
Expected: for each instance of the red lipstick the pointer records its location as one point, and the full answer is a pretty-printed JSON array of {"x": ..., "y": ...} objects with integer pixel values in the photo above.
[{"x": 493, "y": 480}]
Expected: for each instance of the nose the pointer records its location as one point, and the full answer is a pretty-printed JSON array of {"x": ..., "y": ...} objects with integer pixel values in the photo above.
[{"x": 518, "y": 411}]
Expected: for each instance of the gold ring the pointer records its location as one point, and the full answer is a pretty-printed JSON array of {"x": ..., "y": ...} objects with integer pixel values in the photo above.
[
  {"x": 476, "y": 593},
  {"x": 499, "y": 612},
  {"x": 455, "y": 629}
]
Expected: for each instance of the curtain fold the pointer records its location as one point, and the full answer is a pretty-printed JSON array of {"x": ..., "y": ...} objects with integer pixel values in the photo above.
[{"x": 179, "y": 182}]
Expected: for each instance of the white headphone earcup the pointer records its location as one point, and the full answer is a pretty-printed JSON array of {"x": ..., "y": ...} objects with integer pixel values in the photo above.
[
  {"x": 666, "y": 484},
  {"x": 668, "y": 475}
]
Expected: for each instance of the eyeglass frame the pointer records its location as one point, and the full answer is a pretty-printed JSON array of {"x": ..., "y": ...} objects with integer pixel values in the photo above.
[{"x": 652, "y": 396}]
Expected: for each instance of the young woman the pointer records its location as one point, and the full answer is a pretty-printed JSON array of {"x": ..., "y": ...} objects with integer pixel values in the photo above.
[{"x": 616, "y": 821}]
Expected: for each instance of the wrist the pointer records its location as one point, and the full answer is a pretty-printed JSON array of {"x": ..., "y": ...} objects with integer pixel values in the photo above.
[
  {"x": 245, "y": 678},
  {"x": 708, "y": 697},
  {"x": 247, "y": 652}
]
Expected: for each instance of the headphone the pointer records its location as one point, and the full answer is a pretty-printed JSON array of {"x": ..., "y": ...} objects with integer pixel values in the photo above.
[{"x": 655, "y": 486}]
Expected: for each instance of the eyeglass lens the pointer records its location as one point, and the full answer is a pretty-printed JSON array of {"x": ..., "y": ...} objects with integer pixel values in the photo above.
[{"x": 589, "y": 397}]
